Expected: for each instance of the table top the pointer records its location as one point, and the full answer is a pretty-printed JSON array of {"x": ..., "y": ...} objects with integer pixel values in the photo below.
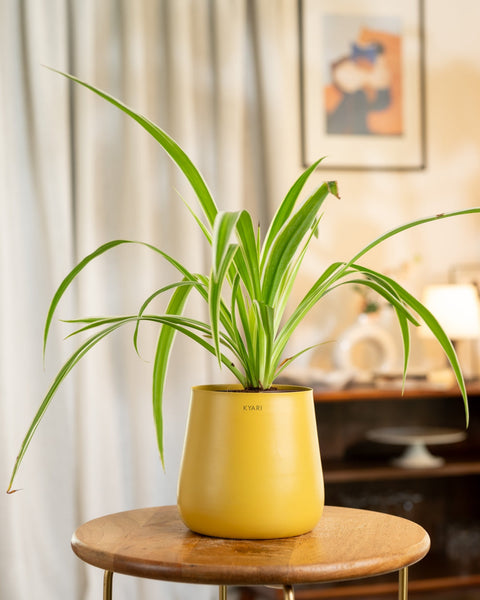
[{"x": 346, "y": 544}]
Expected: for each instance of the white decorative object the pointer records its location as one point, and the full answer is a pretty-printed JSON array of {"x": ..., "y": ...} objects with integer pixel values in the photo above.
[
  {"x": 417, "y": 455},
  {"x": 365, "y": 349}
]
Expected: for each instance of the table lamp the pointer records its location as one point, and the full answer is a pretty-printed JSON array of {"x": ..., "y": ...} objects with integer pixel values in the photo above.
[{"x": 456, "y": 307}]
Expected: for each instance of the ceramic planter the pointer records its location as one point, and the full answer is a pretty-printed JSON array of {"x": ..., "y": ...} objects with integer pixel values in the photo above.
[{"x": 251, "y": 463}]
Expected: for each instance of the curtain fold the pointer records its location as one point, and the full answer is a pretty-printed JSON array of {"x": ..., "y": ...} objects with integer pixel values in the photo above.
[
  {"x": 75, "y": 173},
  {"x": 35, "y": 250}
]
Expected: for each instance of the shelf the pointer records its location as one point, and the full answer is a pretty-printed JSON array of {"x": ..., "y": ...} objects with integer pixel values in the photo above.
[
  {"x": 434, "y": 573},
  {"x": 384, "y": 586},
  {"x": 346, "y": 472},
  {"x": 391, "y": 392},
  {"x": 367, "y": 590}
]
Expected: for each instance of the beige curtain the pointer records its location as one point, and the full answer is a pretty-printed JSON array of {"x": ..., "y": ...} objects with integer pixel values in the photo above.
[
  {"x": 75, "y": 173},
  {"x": 36, "y": 248}
]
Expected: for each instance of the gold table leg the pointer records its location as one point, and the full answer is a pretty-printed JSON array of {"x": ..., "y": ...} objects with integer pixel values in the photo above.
[
  {"x": 403, "y": 584},
  {"x": 288, "y": 592},
  {"x": 107, "y": 585},
  {"x": 222, "y": 592}
]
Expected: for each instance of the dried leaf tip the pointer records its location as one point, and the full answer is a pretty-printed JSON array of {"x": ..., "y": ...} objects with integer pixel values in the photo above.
[{"x": 333, "y": 188}]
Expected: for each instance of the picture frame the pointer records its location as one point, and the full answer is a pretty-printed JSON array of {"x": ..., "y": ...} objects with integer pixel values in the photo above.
[{"x": 362, "y": 84}]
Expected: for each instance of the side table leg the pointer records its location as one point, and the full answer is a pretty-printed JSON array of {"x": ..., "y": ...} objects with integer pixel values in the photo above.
[
  {"x": 107, "y": 585},
  {"x": 222, "y": 592},
  {"x": 403, "y": 584},
  {"x": 288, "y": 592}
]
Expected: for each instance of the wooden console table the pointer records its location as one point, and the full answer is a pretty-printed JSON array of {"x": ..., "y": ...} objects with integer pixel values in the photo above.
[{"x": 346, "y": 544}]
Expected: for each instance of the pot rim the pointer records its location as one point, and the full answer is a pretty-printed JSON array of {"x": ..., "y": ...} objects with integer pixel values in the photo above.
[{"x": 237, "y": 387}]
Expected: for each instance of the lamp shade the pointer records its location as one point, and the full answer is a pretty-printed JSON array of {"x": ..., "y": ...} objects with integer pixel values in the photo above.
[{"x": 456, "y": 308}]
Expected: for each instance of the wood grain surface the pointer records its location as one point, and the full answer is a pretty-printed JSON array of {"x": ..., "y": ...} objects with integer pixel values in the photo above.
[{"x": 346, "y": 544}]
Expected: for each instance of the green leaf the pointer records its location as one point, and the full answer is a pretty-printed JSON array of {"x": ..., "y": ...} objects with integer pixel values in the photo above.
[
  {"x": 314, "y": 294},
  {"x": 223, "y": 252},
  {"x": 239, "y": 302},
  {"x": 405, "y": 331},
  {"x": 285, "y": 209},
  {"x": 409, "y": 225},
  {"x": 88, "y": 259},
  {"x": 288, "y": 240},
  {"x": 265, "y": 334},
  {"x": 288, "y": 361},
  {"x": 403, "y": 315},
  {"x": 162, "y": 357},
  {"x": 215, "y": 292},
  {"x": 385, "y": 292},
  {"x": 63, "y": 372},
  {"x": 223, "y": 228},
  {"x": 290, "y": 276},
  {"x": 238, "y": 340},
  {"x": 169, "y": 145},
  {"x": 437, "y": 330},
  {"x": 198, "y": 221},
  {"x": 68, "y": 280},
  {"x": 185, "y": 282},
  {"x": 445, "y": 342},
  {"x": 249, "y": 254}
]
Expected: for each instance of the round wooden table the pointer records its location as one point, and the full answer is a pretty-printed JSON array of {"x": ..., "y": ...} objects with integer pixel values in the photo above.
[{"x": 346, "y": 544}]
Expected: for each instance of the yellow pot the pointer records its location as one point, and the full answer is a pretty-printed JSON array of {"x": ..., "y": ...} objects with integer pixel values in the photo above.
[{"x": 251, "y": 464}]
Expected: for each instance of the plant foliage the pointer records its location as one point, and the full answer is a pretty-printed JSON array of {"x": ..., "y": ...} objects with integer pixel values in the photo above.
[{"x": 246, "y": 290}]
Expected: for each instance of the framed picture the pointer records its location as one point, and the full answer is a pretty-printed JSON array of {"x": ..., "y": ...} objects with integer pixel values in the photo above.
[{"x": 362, "y": 83}]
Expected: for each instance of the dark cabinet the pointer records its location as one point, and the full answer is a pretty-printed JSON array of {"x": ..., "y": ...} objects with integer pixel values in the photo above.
[{"x": 445, "y": 500}]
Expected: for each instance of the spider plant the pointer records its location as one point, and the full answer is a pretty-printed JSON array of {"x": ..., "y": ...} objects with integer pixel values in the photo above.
[{"x": 246, "y": 291}]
